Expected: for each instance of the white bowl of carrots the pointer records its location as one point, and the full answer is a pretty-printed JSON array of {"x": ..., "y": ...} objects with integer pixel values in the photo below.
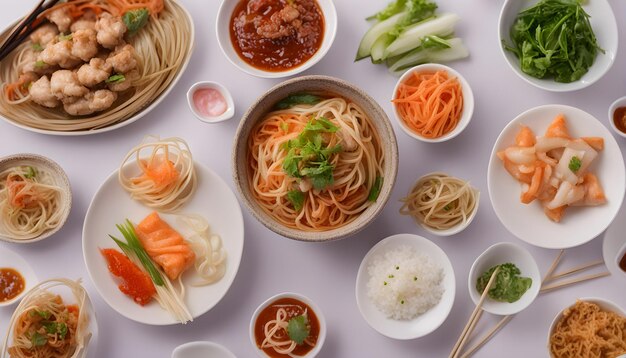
[{"x": 433, "y": 103}]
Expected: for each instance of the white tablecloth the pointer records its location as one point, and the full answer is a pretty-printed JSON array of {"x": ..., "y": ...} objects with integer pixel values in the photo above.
[{"x": 325, "y": 272}]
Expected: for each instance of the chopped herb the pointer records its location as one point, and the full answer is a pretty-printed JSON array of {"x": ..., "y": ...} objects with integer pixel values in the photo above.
[
  {"x": 307, "y": 156},
  {"x": 51, "y": 327},
  {"x": 375, "y": 191},
  {"x": 397, "y": 267},
  {"x": 390, "y": 276},
  {"x": 509, "y": 286},
  {"x": 298, "y": 98},
  {"x": 40, "y": 64},
  {"x": 42, "y": 314},
  {"x": 298, "y": 329},
  {"x": 117, "y": 78},
  {"x": 135, "y": 20},
  {"x": 38, "y": 339},
  {"x": 284, "y": 126},
  {"x": 402, "y": 302},
  {"x": 574, "y": 164},
  {"x": 62, "y": 330},
  {"x": 30, "y": 173},
  {"x": 63, "y": 37},
  {"x": 385, "y": 283},
  {"x": 414, "y": 278},
  {"x": 447, "y": 207},
  {"x": 132, "y": 247},
  {"x": 296, "y": 198},
  {"x": 37, "y": 47}
]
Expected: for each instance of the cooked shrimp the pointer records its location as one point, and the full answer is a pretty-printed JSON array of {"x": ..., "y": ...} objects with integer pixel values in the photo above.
[
  {"x": 594, "y": 194},
  {"x": 92, "y": 102},
  {"x": 44, "y": 35},
  {"x": 123, "y": 59},
  {"x": 85, "y": 22},
  {"x": 121, "y": 86},
  {"x": 41, "y": 93},
  {"x": 111, "y": 30},
  {"x": 555, "y": 214},
  {"x": 558, "y": 128},
  {"x": 84, "y": 44},
  {"x": 531, "y": 194},
  {"x": 59, "y": 53},
  {"x": 525, "y": 137},
  {"x": 61, "y": 17},
  {"x": 64, "y": 83},
  {"x": 96, "y": 71}
]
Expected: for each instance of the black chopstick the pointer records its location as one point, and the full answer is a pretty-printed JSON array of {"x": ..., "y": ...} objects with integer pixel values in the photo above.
[{"x": 25, "y": 28}]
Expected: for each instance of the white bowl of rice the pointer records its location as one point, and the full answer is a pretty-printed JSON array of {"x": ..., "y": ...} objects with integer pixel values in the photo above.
[{"x": 405, "y": 287}]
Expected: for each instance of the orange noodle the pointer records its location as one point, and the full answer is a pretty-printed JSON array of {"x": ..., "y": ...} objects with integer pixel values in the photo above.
[
  {"x": 430, "y": 103},
  {"x": 354, "y": 154}
]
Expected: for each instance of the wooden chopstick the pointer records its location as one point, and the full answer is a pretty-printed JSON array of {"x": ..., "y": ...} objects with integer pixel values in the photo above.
[
  {"x": 575, "y": 269},
  {"x": 21, "y": 25},
  {"x": 573, "y": 281},
  {"x": 472, "y": 321},
  {"x": 487, "y": 336}
]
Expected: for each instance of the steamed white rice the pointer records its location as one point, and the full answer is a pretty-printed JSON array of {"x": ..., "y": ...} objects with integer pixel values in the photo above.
[{"x": 404, "y": 283}]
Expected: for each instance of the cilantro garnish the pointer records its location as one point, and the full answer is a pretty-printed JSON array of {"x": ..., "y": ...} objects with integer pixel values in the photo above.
[
  {"x": 375, "y": 191},
  {"x": 574, "y": 164},
  {"x": 308, "y": 156},
  {"x": 30, "y": 173},
  {"x": 298, "y": 329},
  {"x": 296, "y": 198},
  {"x": 38, "y": 339}
]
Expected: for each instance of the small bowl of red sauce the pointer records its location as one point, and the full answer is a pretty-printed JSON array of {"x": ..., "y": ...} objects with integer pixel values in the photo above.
[
  {"x": 16, "y": 277},
  {"x": 210, "y": 102},
  {"x": 288, "y": 325},
  {"x": 617, "y": 116}
]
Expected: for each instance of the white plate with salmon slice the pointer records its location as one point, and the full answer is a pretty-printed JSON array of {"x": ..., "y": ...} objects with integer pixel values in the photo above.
[
  {"x": 576, "y": 224},
  {"x": 213, "y": 200}
]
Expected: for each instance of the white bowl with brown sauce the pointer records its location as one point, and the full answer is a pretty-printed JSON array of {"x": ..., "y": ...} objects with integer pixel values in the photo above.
[{"x": 275, "y": 38}]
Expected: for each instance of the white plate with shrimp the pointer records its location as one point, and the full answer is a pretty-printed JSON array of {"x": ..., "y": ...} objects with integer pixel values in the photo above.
[
  {"x": 213, "y": 200},
  {"x": 580, "y": 222}
]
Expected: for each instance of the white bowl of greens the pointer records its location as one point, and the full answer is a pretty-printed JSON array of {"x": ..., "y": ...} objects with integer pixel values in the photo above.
[
  {"x": 517, "y": 284},
  {"x": 547, "y": 65}
]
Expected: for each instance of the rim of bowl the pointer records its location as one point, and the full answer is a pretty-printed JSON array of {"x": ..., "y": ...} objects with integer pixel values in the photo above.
[
  {"x": 228, "y": 114},
  {"x": 459, "y": 227},
  {"x": 620, "y": 102},
  {"x": 513, "y": 247},
  {"x": 602, "y": 302},
  {"x": 203, "y": 344},
  {"x": 468, "y": 103},
  {"x": 352, "y": 228},
  {"x": 63, "y": 182},
  {"x": 330, "y": 32},
  {"x": 141, "y": 113},
  {"x": 318, "y": 313},
  {"x": 564, "y": 87},
  {"x": 620, "y": 254},
  {"x": 25, "y": 270}
]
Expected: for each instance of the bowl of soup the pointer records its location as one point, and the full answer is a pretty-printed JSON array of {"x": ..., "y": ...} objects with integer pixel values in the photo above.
[{"x": 275, "y": 38}]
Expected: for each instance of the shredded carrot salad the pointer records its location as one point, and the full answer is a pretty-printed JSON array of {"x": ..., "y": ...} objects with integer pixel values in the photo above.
[
  {"x": 430, "y": 103},
  {"x": 16, "y": 90}
]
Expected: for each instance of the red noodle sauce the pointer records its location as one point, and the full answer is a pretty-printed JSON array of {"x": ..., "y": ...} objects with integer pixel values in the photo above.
[
  {"x": 276, "y": 35},
  {"x": 11, "y": 284},
  {"x": 619, "y": 118},
  {"x": 294, "y": 308}
]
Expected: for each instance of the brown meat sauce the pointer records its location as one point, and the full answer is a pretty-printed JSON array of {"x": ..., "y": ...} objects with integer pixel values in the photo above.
[{"x": 276, "y": 35}]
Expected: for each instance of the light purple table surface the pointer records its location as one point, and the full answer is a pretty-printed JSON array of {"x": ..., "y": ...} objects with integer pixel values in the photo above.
[{"x": 325, "y": 272}]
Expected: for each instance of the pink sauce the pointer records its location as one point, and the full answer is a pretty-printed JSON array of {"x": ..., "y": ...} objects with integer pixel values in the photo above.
[{"x": 209, "y": 102}]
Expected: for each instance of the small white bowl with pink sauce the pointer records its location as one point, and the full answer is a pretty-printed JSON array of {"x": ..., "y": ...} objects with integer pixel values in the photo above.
[{"x": 210, "y": 102}]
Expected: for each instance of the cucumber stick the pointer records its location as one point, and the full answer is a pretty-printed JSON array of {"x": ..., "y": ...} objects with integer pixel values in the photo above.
[
  {"x": 376, "y": 31},
  {"x": 378, "y": 49},
  {"x": 418, "y": 56},
  {"x": 411, "y": 38}
]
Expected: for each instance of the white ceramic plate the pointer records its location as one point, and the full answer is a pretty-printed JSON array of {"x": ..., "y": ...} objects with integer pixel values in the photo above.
[
  {"x": 614, "y": 245},
  {"x": 604, "y": 27},
  {"x": 498, "y": 254},
  {"x": 579, "y": 225},
  {"x": 10, "y": 259},
  {"x": 423, "y": 324},
  {"x": 222, "y": 30},
  {"x": 202, "y": 350},
  {"x": 112, "y": 205},
  {"x": 604, "y": 304},
  {"x": 141, "y": 113}
]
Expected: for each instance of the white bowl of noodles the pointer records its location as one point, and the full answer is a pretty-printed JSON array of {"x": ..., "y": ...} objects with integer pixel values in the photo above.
[
  {"x": 328, "y": 198},
  {"x": 582, "y": 328},
  {"x": 163, "y": 52}
]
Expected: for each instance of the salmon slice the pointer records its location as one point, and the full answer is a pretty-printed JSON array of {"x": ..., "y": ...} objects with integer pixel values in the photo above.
[
  {"x": 165, "y": 245},
  {"x": 594, "y": 195},
  {"x": 596, "y": 143},
  {"x": 558, "y": 128},
  {"x": 161, "y": 172},
  {"x": 525, "y": 137}
]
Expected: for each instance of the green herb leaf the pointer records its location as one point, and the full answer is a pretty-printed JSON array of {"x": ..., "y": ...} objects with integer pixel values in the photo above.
[
  {"x": 30, "y": 173},
  {"x": 284, "y": 126},
  {"x": 296, "y": 198},
  {"x": 117, "y": 78},
  {"x": 37, "y": 47},
  {"x": 298, "y": 98},
  {"x": 375, "y": 190},
  {"x": 392, "y": 8},
  {"x": 63, "y": 37},
  {"x": 298, "y": 329},
  {"x": 42, "y": 314},
  {"x": 135, "y": 20},
  {"x": 40, "y": 64},
  {"x": 133, "y": 247},
  {"x": 447, "y": 207},
  {"x": 509, "y": 286},
  {"x": 62, "y": 330},
  {"x": 435, "y": 42},
  {"x": 416, "y": 11},
  {"x": 51, "y": 327},
  {"x": 38, "y": 339},
  {"x": 574, "y": 164}
]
